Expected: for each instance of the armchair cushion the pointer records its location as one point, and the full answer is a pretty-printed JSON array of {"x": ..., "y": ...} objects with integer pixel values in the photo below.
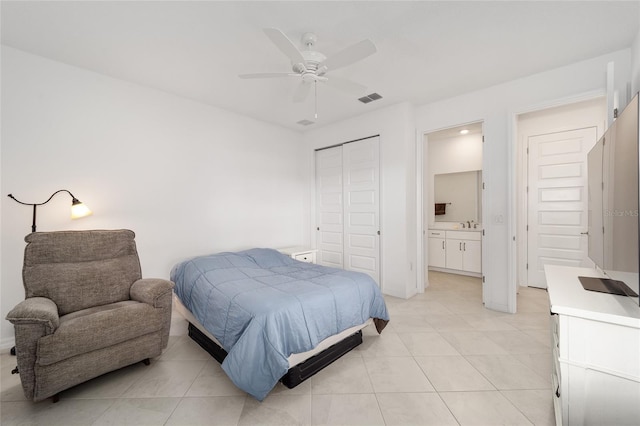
[{"x": 96, "y": 328}]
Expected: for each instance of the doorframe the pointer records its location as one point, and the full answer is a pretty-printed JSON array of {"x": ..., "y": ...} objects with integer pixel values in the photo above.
[
  {"x": 518, "y": 170},
  {"x": 421, "y": 170}
]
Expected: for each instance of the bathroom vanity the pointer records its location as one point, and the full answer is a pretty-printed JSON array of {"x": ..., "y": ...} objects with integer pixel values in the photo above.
[{"x": 456, "y": 251}]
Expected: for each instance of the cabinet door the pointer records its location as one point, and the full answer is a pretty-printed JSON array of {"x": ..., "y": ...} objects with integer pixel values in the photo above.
[
  {"x": 472, "y": 257},
  {"x": 454, "y": 254},
  {"x": 437, "y": 252}
]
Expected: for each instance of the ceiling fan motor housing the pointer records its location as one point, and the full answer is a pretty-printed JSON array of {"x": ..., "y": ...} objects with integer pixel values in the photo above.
[{"x": 312, "y": 60}]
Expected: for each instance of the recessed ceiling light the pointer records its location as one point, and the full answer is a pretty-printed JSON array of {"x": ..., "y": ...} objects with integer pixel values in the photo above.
[{"x": 464, "y": 131}]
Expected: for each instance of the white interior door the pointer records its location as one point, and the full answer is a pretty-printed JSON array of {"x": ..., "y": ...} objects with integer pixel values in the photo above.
[
  {"x": 329, "y": 193},
  {"x": 557, "y": 201},
  {"x": 361, "y": 171}
]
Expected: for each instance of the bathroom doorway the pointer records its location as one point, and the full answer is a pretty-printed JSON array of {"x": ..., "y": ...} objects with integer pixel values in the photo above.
[{"x": 452, "y": 197}]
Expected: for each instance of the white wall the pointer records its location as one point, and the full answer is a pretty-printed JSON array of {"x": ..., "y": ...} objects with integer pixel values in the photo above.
[
  {"x": 457, "y": 154},
  {"x": 397, "y": 180},
  {"x": 496, "y": 107},
  {"x": 189, "y": 179},
  {"x": 449, "y": 155},
  {"x": 635, "y": 63}
]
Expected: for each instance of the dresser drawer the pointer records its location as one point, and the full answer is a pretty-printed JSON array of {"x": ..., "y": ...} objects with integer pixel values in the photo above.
[
  {"x": 300, "y": 253},
  {"x": 555, "y": 331},
  {"x": 308, "y": 257},
  {"x": 464, "y": 235}
]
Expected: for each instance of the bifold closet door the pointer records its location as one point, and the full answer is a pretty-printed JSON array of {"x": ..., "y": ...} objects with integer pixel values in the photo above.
[
  {"x": 348, "y": 206},
  {"x": 329, "y": 210},
  {"x": 361, "y": 176}
]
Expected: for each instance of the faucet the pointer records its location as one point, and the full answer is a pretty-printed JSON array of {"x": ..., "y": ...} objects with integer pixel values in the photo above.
[{"x": 468, "y": 224}]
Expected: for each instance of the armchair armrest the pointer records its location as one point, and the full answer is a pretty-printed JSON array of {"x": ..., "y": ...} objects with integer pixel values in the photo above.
[
  {"x": 151, "y": 291},
  {"x": 37, "y": 311},
  {"x": 33, "y": 318}
]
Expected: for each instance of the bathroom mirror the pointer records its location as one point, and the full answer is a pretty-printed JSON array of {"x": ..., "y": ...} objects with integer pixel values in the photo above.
[{"x": 458, "y": 196}]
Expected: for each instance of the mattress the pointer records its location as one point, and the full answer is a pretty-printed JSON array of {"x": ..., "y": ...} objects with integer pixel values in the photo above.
[
  {"x": 293, "y": 359},
  {"x": 268, "y": 311}
]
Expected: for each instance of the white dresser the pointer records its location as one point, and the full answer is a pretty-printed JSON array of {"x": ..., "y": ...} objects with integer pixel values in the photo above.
[
  {"x": 303, "y": 254},
  {"x": 596, "y": 352}
]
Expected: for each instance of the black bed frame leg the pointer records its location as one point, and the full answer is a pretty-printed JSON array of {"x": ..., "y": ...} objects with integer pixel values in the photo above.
[
  {"x": 146, "y": 361},
  {"x": 55, "y": 398}
]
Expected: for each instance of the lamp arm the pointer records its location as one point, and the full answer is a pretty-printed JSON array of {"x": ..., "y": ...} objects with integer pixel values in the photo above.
[
  {"x": 74, "y": 200},
  {"x": 48, "y": 199}
]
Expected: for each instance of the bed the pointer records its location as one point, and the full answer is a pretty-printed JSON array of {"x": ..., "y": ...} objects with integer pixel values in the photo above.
[{"x": 269, "y": 318}]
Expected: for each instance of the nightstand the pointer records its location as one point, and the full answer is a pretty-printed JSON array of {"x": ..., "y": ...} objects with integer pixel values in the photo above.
[{"x": 303, "y": 254}]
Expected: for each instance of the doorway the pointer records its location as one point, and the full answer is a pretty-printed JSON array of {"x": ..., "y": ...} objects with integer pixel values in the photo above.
[
  {"x": 552, "y": 186},
  {"x": 452, "y": 200}
]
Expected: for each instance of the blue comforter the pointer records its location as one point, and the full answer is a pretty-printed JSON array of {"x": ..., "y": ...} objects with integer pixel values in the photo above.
[{"x": 263, "y": 306}]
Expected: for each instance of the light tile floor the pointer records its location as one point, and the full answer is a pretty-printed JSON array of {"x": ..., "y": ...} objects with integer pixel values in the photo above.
[{"x": 442, "y": 360}]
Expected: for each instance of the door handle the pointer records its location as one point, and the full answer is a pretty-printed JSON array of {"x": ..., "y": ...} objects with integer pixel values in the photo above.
[
  {"x": 442, "y": 245},
  {"x": 464, "y": 246},
  {"x": 460, "y": 246}
]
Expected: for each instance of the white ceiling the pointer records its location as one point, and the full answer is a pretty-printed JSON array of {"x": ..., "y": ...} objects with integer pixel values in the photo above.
[{"x": 427, "y": 50}]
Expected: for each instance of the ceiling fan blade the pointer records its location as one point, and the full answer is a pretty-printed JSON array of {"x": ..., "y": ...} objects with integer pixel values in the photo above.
[
  {"x": 302, "y": 91},
  {"x": 345, "y": 85},
  {"x": 350, "y": 55},
  {"x": 284, "y": 44},
  {"x": 269, "y": 75}
]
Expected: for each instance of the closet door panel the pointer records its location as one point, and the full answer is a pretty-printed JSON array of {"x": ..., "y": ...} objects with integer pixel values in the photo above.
[
  {"x": 361, "y": 195},
  {"x": 330, "y": 216}
]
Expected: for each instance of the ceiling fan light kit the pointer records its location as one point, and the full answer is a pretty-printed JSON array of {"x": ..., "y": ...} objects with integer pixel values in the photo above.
[{"x": 311, "y": 66}]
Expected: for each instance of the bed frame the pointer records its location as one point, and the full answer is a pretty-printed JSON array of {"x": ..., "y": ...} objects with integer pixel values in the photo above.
[{"x": 296, "y": 374}]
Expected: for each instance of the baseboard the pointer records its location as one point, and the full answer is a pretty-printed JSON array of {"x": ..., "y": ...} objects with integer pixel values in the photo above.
[
  {"x": 6, "y": 344},
  {"x": 455, "y": 271}
]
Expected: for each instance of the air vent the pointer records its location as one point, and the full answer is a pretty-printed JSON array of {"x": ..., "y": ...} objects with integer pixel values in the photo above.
[
  {"x": 305, "y": 122},
  {"x": 370, "y": 98}
]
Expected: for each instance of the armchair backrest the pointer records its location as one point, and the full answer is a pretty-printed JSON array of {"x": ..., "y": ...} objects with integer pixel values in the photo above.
[{"x": 80, "y": 269}]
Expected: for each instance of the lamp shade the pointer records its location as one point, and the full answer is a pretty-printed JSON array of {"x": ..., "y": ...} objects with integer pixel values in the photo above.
[{"x": 79, "y": 209}]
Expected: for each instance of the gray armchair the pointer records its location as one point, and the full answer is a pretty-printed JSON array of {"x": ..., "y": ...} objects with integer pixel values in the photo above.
[{"x": 87, "y": 310}]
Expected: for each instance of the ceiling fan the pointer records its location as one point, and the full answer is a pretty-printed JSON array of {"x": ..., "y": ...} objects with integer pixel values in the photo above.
[{"x": 312, "y": 67}]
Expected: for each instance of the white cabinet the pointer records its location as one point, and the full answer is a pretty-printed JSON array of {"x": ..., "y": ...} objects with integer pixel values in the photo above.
[
  {"x": 456, "y": 251},
  {"x": 596, "y": 345},
  {"x": 303, "y": 254},
  {"x": 437, "y": 249},
  {"x": 472, "y": 256},
  {"x": 464, "y": 251}
]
